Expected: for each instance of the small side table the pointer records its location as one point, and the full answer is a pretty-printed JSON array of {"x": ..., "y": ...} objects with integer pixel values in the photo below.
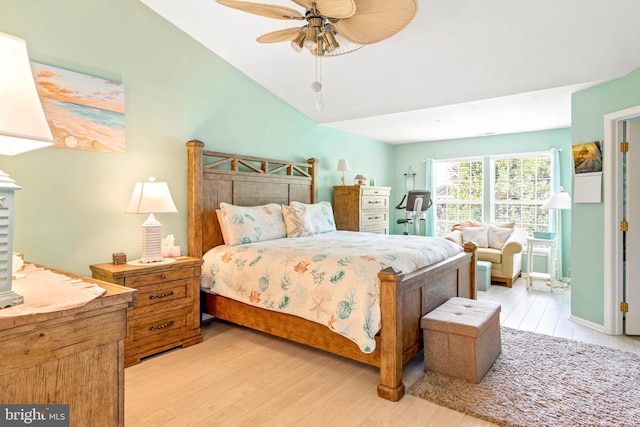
[
  {"x": 550, "y": 275},
  {"x": 167, "y": 312}
]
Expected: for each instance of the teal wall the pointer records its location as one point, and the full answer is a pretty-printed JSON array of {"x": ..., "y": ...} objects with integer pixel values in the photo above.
[
  {"x": 70, "y": 211},
  {"x": 588, "y": 108},
  {"x": 413, "y": 155}
]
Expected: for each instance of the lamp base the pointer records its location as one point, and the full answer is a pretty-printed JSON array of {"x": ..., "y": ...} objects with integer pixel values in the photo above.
[
  {"x": 9, "y": 299},
  {"x": 140, "y": 263}
]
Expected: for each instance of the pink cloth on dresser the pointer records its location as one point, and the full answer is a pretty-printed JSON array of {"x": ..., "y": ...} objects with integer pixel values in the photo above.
[{"x": 45, "y": 291}]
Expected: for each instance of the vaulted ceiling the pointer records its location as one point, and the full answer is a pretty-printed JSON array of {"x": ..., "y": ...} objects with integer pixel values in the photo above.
[{"x": 461, "y": 68}]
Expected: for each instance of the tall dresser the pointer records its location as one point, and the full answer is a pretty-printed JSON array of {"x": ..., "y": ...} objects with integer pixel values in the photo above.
[{"x": 361, "y": 208}]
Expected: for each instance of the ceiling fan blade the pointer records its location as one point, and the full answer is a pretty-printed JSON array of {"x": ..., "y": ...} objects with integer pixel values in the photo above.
[
  {"x": 376, "y": 20},
  {"x": 338, "y": 9},
  {"x": 268, "y": 10},
  {"x": 285, "y": 35}
]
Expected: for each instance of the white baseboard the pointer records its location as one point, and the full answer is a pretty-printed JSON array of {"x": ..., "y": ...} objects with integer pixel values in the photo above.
[{"x": 587, "y": 323}]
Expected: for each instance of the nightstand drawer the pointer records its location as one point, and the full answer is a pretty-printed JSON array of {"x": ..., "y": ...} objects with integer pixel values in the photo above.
[
  {"x": 159, "y": 326},
  {"x": 135, "y": 281},
  {"x": 156, "y": 294},
  {"x": 369, "y": 218}
]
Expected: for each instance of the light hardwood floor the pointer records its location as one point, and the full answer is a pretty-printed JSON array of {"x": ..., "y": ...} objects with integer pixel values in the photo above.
[{"x": 238, "y": 377}]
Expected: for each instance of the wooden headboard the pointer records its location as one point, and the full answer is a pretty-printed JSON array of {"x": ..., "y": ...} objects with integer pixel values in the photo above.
[{"x": 215, "y": 177}]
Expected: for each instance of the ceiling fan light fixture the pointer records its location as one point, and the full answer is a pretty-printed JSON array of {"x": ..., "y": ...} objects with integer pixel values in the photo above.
[
  {"x": 311, "y": 39},
  {"x": 329, "y": 40},
  {"x": 296, "y": 44}
]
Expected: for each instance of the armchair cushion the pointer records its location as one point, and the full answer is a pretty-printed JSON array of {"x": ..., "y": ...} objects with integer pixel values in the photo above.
[
  {"x": 497, "y": 236},
  {"x": 477, "y": 235}
]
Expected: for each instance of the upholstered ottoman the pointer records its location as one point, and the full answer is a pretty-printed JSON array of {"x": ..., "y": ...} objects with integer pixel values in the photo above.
[
  {"x": 483, "y": 275},
  {"x": 462, "y": 338}
]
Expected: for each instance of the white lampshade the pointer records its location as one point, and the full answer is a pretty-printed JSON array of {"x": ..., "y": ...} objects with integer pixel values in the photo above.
[
  {"x": 557, "y": 200},
  {"x": 343, "y": 165},
  {"x": 151, "y": 197},
  {"x": 23, "y": 126}
]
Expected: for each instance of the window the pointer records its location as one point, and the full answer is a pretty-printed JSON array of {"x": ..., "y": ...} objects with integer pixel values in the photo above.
[
  {"x": 459, "y": 193},
  {"x": 493, "y": 189}
]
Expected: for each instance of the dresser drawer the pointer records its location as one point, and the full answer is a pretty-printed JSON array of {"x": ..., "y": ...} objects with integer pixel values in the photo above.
[
  {"x": 135, "y": 281},
  {"x": 378, "y": 229},
  {"x": 165, "y": 292},
  {"x": 373, "y": 191},
  {"x": 374, "y": 202},
  {"x": 158, "y": 326},
  {"x": 373, "y": 217}
]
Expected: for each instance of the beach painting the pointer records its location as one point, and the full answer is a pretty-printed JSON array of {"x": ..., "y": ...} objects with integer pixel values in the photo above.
[
  {"x": 587, "y": 157},
  {"x": 83, "y": 112}
]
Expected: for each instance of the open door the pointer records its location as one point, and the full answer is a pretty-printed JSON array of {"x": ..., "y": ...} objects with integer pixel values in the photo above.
[{"x": 631, "y": 238}]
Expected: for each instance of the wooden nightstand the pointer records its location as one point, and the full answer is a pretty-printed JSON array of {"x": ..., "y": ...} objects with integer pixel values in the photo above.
[{"x": 167, "y": 312}]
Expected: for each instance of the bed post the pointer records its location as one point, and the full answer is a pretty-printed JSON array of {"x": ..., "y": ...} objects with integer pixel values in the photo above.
[
  {"x": 471, "y": 247},
  {"x": 313, "y": 171},
  {"x": 391, "y": 386},
  {"x": 194, "y": 196}
]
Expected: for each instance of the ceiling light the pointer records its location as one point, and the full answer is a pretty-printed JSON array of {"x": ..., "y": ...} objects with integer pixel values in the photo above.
[
  {"x": 311, "y": 41},
  {"x": 329, "y": 40},
  {"x": 296, "y": 44}
]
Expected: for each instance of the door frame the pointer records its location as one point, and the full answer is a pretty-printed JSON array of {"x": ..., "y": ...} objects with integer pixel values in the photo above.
[{"x": 613, "y": 274}]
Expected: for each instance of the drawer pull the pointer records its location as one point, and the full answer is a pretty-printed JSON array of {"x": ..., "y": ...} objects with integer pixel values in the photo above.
[
  {"x": 163, "y": 277},
  {"x": 164, "y": 325},
  {"x": 168, "y": 294},
  {"x": 375, "y": 217},
  {"x": 374, "y": 202}
]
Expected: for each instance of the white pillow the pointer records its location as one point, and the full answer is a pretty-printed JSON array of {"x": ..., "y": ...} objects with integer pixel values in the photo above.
[
  {"x": 247, "y": 224},
  {"x": 498, "y": 236},
  {"x": 477, "y": 235},
  {"x": 297, "y": 221},
  {"x": 223, "y": 226},
  {"x": 321, "y": 215}
]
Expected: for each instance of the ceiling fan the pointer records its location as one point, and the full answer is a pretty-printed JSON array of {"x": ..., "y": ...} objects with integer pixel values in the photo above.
[{"x": 333, "y": 27}]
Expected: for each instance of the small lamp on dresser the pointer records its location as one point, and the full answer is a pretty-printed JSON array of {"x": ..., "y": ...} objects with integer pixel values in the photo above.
[
  {"x": 23, "y": 127},
  {"x": 151, "y": 197},
  {"x": 343, "y": 166}
]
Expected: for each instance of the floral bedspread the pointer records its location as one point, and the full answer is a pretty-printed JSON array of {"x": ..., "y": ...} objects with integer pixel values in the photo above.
[{"x": 328, "y": 278}]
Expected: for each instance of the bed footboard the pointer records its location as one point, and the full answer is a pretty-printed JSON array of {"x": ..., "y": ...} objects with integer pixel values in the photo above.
[{"x": 405, "y": 298}]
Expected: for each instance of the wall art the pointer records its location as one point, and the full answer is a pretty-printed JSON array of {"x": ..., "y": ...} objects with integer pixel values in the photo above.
[{"x": 83, "y": 112}]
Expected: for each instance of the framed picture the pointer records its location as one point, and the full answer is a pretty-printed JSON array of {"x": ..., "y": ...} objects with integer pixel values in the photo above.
[
  {"x": 587, "y": 157},
  {"x": 83, "y": 112}
]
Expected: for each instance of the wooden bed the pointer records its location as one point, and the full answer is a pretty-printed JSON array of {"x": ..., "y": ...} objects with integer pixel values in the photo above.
[{"x": 215, "y": 177}]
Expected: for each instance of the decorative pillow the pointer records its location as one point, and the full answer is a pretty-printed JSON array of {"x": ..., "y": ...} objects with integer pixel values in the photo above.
[
  {"x": 223, "y": 226},
  {"x": 504, "y": 225},
  {"x": 321, "y": 215},
  {"x": 253, "y": 223},
  {"x": 477, "y": 235},
  {"x": 498, "y": 236},
  {"x": 297, "y": 221}
]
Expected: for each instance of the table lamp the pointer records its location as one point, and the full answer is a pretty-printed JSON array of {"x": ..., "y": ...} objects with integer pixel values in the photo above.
[
  {"x": 343, "y": 166},
  {"x": 151, "y": 197},
  {"x": 558, "y": 201},
  {"x": 23, "y": 127}
]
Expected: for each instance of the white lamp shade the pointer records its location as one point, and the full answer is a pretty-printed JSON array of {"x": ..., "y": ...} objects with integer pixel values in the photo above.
[
  {"x": 558, "y": 200},
  {"x": 23, "y": 126},
  {"x": 343, "y": 165},
  {"x": 151, "y": 197}
]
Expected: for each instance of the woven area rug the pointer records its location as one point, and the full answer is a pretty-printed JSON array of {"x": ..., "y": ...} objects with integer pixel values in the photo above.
[{"x": 539, "y": 380}]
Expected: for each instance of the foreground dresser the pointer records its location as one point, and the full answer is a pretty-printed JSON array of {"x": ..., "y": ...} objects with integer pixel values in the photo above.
[
  {"x": 361, "y": 208},
  {"x": 167, "y": 312},
  {"x": 73, "y": 356}
]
